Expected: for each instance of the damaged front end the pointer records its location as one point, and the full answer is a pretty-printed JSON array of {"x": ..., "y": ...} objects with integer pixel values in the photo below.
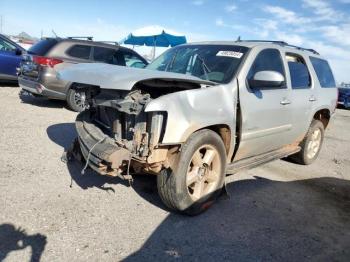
[
  {"x": 116, "y": 132},
  {"x": 128, "y": 113}
]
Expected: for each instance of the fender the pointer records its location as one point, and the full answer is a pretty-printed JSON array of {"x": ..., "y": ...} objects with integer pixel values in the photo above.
[{"x": 191, "y": 110}]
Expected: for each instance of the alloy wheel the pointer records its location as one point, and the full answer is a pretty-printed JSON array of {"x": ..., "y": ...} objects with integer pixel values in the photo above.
[
  {"x": 314, "y": 144},
  {"x": 203, "y": 172},
  {"x": 80, "y": 99}
]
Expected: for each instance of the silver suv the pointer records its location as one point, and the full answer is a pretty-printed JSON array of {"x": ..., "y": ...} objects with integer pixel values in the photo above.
[
  {"x": 39, "y": 67},
  {"x": 201, "y": 111}
]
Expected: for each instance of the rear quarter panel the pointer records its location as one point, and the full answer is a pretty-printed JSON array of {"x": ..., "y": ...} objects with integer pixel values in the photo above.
[{"x": 48, "y": 76}]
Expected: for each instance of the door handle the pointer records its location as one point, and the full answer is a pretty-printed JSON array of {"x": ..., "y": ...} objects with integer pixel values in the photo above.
[
  {"x": 285, "y": 102},
  {"x": 312, "y": 99}
]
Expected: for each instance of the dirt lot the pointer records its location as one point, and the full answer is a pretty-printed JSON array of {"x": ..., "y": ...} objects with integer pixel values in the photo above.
[{"x": 279, "y": 211}]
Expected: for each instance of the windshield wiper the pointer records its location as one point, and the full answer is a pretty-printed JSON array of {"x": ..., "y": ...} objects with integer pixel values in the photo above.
[{"x": 206, "y": 69}]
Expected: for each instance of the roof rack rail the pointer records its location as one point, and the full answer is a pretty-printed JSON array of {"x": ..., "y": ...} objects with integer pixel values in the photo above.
[
  {"x": 50, "y": 37},
  {"x": 81, "y": 37},
  {"x": 280, "y": 43},
  {"x": 304, "y": 49},
  {"x": 263, "y": 41},
  {"x": 109, "y": 42}
]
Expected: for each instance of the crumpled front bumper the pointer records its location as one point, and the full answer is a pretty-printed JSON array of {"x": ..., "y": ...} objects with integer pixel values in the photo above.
[{"x": 99, "y": 150}]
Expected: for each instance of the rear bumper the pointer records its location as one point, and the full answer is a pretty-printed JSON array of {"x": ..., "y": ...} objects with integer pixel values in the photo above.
[
  {"x": 37, "y": 88},
  {"x": 99, "y": 150}
]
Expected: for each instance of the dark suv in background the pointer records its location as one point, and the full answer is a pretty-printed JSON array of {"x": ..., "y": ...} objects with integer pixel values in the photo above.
[
  {"x": 38, "y": 71},
  {"x": 344, "y": 95}
]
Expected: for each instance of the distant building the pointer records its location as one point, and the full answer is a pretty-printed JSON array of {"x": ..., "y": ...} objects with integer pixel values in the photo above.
[
  {"x": 24, "y": 40},
  {"x": 343, "y": 84}
]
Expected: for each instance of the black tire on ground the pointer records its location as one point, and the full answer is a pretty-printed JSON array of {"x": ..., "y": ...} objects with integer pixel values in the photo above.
[
  {"x": 173, "y": 187},
  {"x": 305, "y": 156},
  {"x": 74, "y": 103}
]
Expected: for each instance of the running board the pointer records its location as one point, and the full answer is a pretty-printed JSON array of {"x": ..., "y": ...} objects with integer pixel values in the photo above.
[{"x": 255, "y": 161}]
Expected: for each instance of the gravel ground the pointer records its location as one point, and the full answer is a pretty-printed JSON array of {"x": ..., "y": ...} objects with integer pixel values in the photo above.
[{"x": 50, "y": 212}]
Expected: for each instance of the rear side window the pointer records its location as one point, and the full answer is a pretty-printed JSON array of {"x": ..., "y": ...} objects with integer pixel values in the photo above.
[
  {"x": 133, "y": 60},
  {"x": 105, "y": 55},
  {"x": 6, "y": 45},
  {"x": 80, "y": 51},
  {"x": 42, "y": 47},
  {"x": 299, "y": 74},
  {"x": 267, "y": 60},
  {"x": 323, "y": 72}
]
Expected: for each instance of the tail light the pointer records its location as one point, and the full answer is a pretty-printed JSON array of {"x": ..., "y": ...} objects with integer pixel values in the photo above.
[{"x": 46, "y": 61}]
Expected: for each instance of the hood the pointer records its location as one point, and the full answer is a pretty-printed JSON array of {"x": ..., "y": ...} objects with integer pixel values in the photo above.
[{"x": 120, "y": 77}]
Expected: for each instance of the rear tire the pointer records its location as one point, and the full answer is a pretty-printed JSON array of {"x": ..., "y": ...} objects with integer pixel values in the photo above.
[
  {"x": 76, "y": 100},
  {"x": 311, "y": 144},
  {"x": 198, "y": 178}
]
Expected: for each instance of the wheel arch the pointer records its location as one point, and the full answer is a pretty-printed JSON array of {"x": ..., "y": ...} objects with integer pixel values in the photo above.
[
  {"x": 224, "y": 132},
  {"x": 323, "y": 115},
  {"x": 76, "y": 85}
]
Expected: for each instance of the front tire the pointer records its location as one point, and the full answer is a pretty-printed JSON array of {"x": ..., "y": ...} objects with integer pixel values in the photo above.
[
  {"x": 311, "y": 145},
  {"x": 76, "y": 100},
  {"x": 198, "y": 177}
]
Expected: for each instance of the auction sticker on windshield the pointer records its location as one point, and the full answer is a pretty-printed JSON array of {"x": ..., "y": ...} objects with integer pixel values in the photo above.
[{"x": 230, "y": 54}]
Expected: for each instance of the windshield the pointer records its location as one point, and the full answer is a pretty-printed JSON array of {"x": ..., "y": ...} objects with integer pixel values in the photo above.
[{"x": 217, "y": 63}]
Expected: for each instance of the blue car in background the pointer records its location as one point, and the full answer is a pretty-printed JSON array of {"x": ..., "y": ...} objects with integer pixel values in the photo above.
[
  {"x": 344, "y": 95},
  {"x": 10, "y": 58}
]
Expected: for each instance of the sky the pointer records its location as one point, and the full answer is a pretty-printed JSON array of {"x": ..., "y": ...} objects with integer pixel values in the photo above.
[{"x": 323, "y": 25}]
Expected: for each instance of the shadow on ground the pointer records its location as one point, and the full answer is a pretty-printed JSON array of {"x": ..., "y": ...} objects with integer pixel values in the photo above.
[
  {"x": 263, "y": 220},
  {"x": 42, "y": 101},
  {"x": 8, "y": 84},
  {"x": 64, "y": 134},
  {"x": 15, "y": 239}
]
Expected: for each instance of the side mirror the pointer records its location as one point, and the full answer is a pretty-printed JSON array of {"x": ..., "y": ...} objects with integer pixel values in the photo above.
[
  {"x": 267, "y": 79},
  {"x": 18, "y": 51}
]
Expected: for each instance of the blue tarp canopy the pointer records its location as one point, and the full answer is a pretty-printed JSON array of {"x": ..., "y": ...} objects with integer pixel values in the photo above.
[{"x": 162, "y": 40}]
